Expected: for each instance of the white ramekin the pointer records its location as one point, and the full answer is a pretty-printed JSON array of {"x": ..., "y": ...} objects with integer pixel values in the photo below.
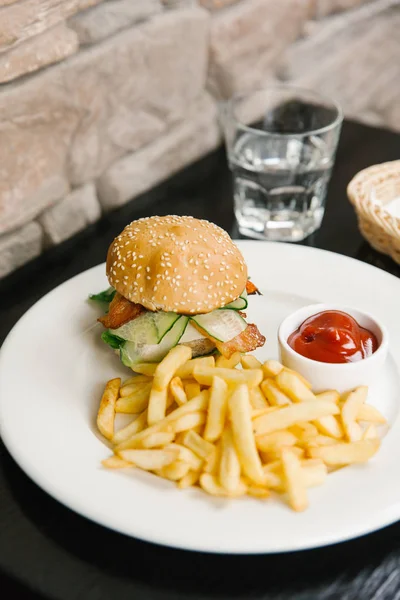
[{"x": 326, "y": 376}]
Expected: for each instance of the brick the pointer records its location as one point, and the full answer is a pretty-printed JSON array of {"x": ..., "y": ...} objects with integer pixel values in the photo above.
[
  {"x": 27, "y": 18},
  {"x": 70, "y": 215},
  {"x": 70, "y": 122},
  {"x": 126, "y": 105},
  {"x": 329, "y": 7},
  {"x": 361, "y": 70},
  {"x": 217, "y": 4},
  {"x": 19, "y": 247},
  {"x": 184, "y": 143},
  {"x": 106, "y": 19},
  {"x": 247, "y": 40},
  {"x": 39, "y": 51}
]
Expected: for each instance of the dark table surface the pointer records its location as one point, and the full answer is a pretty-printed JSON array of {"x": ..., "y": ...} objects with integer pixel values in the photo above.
[{"x": 47, "y": 551}]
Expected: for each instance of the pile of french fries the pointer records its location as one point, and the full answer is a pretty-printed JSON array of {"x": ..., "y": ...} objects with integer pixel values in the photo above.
[{"x": 236, "y": 427}]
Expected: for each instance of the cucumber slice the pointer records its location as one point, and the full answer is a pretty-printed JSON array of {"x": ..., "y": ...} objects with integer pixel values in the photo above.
[
  {"x": 221, "y": 324},
  {"x": 238, "y": 304},
  {"x": 149, "y": 328},
  {"x": 138, "y": 350}
]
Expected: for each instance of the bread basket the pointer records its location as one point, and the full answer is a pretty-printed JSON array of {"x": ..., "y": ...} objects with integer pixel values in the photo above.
[{"x": 373, "y": 193}]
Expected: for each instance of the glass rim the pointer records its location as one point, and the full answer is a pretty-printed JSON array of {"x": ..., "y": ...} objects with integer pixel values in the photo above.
[{"x": 242, "y": 95}]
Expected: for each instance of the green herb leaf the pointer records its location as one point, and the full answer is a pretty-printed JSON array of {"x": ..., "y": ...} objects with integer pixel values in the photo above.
[
  {"x": 112, "y": 340},
  {"x": 103, "y": 297}
]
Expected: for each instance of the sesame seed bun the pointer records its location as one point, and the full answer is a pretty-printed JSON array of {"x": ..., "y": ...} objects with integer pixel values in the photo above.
[{"x": 179, "y": 264}]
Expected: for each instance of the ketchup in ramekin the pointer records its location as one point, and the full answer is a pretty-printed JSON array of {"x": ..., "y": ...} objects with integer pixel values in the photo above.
[{"x": 333, "y": 336}]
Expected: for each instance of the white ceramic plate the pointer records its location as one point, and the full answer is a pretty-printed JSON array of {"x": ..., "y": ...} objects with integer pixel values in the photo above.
[{"x": 53, "y": 367}]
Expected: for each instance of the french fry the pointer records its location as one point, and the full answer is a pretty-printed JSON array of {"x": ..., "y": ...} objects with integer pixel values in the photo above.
[
  {"x": 324, "y": 440},
  {"x": 217, "y": 408},
  {"x": 272, "y": 368},
  {"x": 331, "y": 395},
  {"x": 189, "y": 421},
  {"x": 257, "y": 398},
  {"x": 229, "y": 468},
  {"x": 300, "y": 376},
  {"x": 346, "y": 453},
  {"x": 128, "y": 390},
  {"x": 274, "y": 477},
  {"x": 303, "y": 428},
  {"x": 351, "y": 405},
  {"x": 228, "y": 363},
  {"x": 149, "y": 460},
  {"x": 259, "y": 412},
  {"x": 257, "y": 491},
  {"x": 157, "y": 439},
  {"x": 273, "y": 441},
  {"x": 211, "y": 464},
  {"x": 369, "y": 413},
  {"x": 135, "y": 380},
  {"x": 106, "y": 413},
  {"x": 290, "y": 415},
  {"x": 329, "y": 426},
  {"x": 191, "y": 478},
  {"x": 145, "y": 368},
  {"x": 211, "y": 485},
  {"x": 314, "y": 474},
  {"x": 294, "y": 387},
  {"x": 166, "y": 369},
  {"x": 295, "y": 480},
  {"x": 135, "y": 403},
  {"x": 175, "y": 471},
  {"x": 134, "y": 427},
  {"x": 197, "y": 444},
  {"x": 250, "y": 362},
  {"x": 273, "y": 393},
  {"x": 251, "y": 377},
  {"x": 186, "y": 370},
  {"x": 157, "y": 405},
  {"x": 177, "y": 391},
  {"x": 187, "y": 455},
  {"x": 193, "y": 406},
  {"x": 192, "y": 389},
  {"x": 115, "y": 462},
  {"x": 370, "y": 433},
  {"x": 242, "y": 429}
]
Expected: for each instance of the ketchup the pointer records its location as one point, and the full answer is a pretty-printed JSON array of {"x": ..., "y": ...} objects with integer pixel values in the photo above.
[{"x": 333, "y": 337}]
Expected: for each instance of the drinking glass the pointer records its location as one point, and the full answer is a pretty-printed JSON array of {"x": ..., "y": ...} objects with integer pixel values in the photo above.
[{"x": 281, "y": 164}]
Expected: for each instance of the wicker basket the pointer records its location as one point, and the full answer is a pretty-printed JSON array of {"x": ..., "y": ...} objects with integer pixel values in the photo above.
[{"x": 370, "y": 191}]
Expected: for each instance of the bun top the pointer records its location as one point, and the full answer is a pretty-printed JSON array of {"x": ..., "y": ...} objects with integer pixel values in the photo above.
[{"x": 179, "y": 264}]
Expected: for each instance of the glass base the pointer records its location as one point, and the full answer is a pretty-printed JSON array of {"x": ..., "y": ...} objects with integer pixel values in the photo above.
[{"x": 293, "y": 234}]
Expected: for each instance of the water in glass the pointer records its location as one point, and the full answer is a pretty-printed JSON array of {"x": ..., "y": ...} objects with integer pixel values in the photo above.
[{"x": 279, "y": 186}]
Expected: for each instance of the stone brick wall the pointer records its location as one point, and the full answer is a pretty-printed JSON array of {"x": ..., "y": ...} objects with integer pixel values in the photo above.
[{"x": 102, "y": 99}]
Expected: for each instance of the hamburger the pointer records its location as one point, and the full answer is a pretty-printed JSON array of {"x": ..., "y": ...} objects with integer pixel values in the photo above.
[{"x": 176, "y": 280}]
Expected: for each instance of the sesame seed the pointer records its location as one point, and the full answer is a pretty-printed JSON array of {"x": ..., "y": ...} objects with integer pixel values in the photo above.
[{"x": 164, "y": 297}]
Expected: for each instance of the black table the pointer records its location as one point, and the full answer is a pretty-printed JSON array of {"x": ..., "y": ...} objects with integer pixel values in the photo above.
[{"x": 47, "y": 551}]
